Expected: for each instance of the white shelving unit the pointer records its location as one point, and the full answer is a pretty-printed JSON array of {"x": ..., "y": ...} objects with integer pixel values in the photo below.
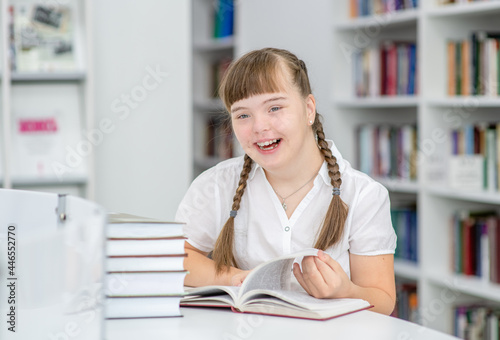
[
  {"x": 430, "y": 26},
  {"x": 67, "y": 95},
  {"x": 206, "y": 51}
]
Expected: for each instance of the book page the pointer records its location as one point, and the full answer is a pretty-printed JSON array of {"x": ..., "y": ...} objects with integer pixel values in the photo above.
[
  {"x": 273, "y": 275},
  {"x": 300, "y": 300},
  {"x": 202, "y": 293}
]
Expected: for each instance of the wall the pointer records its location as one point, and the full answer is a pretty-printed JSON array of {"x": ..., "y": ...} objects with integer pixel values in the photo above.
[
  {"x": 142, "y": 71},
  {"x": 301, "y": 27}
]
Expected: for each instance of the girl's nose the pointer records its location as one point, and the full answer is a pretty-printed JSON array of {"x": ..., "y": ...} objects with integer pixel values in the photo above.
[{"x": 261, "y": 123}]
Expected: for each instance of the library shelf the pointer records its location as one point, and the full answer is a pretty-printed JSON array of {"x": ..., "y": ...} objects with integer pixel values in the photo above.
[
  {"x": 407, "y": 269},
  {"x": 469, "y": 285},
  {"x": 377, "y": 102},
  {"x": 65, "y": 94},
  {"x": 465, "y": 101},
  {"x": 488, "y": 197},
  {"x": 399, "y": 185},
  {"x": 52, "y": 76},
  {"x": 431, "y": 26},
  {"x": 213, "y": 45},
  {"x": 49, "y": 181},
  {"x": 214, "y": 104},
  {"x": 465, "y": 9},
  {"x": 390, "y": 19}
]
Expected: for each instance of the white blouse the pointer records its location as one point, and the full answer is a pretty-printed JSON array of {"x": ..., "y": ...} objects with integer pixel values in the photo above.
[{"x": 262, "y": 228}]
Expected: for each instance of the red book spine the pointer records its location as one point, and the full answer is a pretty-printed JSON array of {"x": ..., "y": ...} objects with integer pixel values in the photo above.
[
  {"x": 392, "y": 70},
  {"x": 468, "y": 244}
]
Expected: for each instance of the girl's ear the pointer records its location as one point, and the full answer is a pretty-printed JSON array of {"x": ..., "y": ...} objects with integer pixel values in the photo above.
[{"x": 311, "y": 108}]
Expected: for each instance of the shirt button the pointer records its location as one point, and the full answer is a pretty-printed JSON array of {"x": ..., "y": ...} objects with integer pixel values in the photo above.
[{"x": 287, "y": 228}]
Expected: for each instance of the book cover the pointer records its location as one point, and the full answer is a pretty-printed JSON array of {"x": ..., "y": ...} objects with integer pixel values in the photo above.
[
  {"x": 138, "y": 307},
  {"x": 144, "y": 283}
]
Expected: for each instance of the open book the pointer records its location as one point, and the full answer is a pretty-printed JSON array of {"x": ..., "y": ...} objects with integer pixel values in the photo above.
[{"x": 269, "y": 289}]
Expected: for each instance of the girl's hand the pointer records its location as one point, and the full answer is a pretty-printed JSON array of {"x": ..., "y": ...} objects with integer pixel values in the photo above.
[
  {"x": 323, "y": 277},
  {"x": 237, "y": 280}
]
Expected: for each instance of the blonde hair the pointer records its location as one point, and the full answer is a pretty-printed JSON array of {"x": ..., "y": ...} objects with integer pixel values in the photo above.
[{"x": 259, "y": 72}]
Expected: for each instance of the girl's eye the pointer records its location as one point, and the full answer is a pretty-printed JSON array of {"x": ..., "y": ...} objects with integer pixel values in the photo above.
[
  {"x": 243, "y": 116},
  {"x": 275, "y": 108}
]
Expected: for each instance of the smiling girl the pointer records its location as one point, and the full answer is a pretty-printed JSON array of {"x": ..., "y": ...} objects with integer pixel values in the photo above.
[{"x": 291, "y": 190}]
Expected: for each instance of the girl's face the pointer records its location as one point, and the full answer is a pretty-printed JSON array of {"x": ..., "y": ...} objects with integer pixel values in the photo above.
[{"x": 274, "y": 129}]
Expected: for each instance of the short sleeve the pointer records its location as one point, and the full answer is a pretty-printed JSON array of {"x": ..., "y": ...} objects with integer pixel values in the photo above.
[
  {"x": 198, "y": 209},
  {"x": 371, "y": 231}
]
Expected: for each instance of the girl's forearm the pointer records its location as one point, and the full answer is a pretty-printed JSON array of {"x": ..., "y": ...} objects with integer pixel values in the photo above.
[
  {"x": 383, "y": 303},
  {"x": 202, "y": 271}
]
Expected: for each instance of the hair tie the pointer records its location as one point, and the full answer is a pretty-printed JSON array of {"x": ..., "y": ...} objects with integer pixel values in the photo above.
[
  {"x": 336, "y": 191},
  {"x": 233, "y": 213}
]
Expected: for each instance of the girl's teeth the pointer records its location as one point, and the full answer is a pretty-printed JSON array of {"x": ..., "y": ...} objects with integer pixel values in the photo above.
[{"x": 269, "y": 142}]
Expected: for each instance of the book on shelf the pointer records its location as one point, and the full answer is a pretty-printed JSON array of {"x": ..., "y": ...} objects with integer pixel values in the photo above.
[
  {"x": 407, "y": 302},
  {"x": 474, "y": 65},
  {"x": 474, "y": 156},
  {"x": 219, "y": 68},
  {"x": 269, "y": 289},
  {"x": 386, "y": 151},
  {"x": 477, "y": 321},
  {"x": 476, "y": 244},
  {"x": 223, "y": 18},
  {"x": 42, "y": 38},
  {"x": 360, "y": 8},
  {"x": 144, "y": 267},
  {"x": 219, "y": 142},
  {"x": 404, "y": 221},
  {"x": 388, "y": 69}
]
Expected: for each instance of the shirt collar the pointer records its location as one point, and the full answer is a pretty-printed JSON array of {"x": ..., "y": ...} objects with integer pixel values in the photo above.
[{"x": 323, "y": 171}]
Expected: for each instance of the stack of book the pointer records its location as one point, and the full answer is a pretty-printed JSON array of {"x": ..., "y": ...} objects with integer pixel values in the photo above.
[
  {"x": 473, "y": 65},
  {"x": 144, "y": 267},
  {"x": 386, "y": 70},
  {"x": 476, "y": 244},
  {"x": 388, "y": 152}
]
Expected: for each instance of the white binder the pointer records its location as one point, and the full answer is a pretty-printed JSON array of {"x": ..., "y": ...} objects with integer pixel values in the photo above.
[{"x": 51, "y": 266}]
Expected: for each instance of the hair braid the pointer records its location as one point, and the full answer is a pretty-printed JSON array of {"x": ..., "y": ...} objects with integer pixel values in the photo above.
[
  {"x": 336, "y": 215},
  {"x": 223, "y": 250}
]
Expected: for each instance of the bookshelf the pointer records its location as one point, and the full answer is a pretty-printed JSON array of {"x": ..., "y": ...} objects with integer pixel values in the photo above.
[
  {"x": 212, "y": 52},
  {"x": 434, "y": 113},
  {"x": 41, "y": 91}
]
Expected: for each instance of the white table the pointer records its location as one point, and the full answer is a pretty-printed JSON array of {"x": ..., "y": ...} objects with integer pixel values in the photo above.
[{"x": 221, "y": 323}]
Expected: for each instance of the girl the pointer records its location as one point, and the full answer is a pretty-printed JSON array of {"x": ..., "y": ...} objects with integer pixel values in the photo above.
[{"x": 291, "y": 190}]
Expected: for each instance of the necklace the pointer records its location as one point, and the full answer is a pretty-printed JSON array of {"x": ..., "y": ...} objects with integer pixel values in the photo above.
[{"x": 283, "y": 204}]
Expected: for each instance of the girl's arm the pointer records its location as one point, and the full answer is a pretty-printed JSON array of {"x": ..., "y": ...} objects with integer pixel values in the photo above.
[
  {"x": 202, "y": 269},
  {"x": 372, "y": 279}
]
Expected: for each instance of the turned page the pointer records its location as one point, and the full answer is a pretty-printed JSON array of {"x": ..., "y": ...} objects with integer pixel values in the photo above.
[{"x": 273, "y": 275}]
